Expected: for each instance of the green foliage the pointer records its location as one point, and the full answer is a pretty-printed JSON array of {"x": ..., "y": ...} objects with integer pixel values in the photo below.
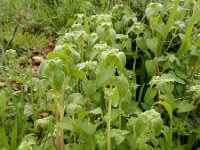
[{"x": 119, "y": 79}]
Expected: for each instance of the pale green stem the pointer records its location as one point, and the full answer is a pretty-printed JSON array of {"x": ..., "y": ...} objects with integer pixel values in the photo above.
[
  {"x": 120, "y": 115},
  {"x": 170, "y": 43},
  {"x": 109, "y": 124},
  {"x": 194, "y": 69}
]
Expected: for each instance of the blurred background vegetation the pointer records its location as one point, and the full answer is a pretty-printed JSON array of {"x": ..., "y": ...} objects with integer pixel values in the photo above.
[{"x": 30, "y": 24}]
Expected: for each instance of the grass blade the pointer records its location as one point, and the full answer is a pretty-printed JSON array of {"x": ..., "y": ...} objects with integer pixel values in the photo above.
[
  {"x": 169, "y": 23},
  {"x": 4, "y": 138},
  {"x": 191, "y": 22},
  {"x": 13, "y": 144}
]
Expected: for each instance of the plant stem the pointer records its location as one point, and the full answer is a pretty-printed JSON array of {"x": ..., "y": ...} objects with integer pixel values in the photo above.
[
  {"x": 48, "y": 129},
  {"x": 62, "y": 145},
  {"x": 140, "y": 94},
  {"x": 159, "y": 106},
  {"x": 109, "y": 3},
  {"x": 14, "y": 33},
  {"x": 61, "y": 117},
  {"x": 170, "y": 43},
  {"x": 135, "y": 59},
  {"x": 193, "y": 69},
  {"x": 56, "y": 119},
  {"x": 108, "y": 124},
  {"x": 169, "y": 143},
  {"x": 120, "y": 116},
  {"x": 35, "y": 114}
]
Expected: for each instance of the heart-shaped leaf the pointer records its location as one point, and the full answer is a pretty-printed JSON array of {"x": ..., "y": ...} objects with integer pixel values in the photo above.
[{"x": 152, "y": 44}]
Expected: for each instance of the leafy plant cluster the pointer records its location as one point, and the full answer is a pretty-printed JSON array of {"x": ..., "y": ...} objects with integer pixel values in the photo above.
[
  {"x": 33, "y": 22},
  {"x": 113, "y": 81},
  {"x": 28, "y": 24}
]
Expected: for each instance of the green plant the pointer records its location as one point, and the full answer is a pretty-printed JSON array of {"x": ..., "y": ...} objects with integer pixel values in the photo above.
[
  {"x": 99, "y": 53},
  {"x": 117, "y": 80}
]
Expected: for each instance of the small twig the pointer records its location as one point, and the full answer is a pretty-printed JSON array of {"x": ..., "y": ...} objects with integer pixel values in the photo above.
[
  {"x": 2, "y": 52},
  {"x": 14, "y": 33}
]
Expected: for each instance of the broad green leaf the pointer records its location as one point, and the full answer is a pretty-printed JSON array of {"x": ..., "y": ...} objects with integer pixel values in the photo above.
[
  {"x": 28, "y": 109},
  {"x": 160, "y": 28},
  {"x": 75, "y": 55},
  {"x": 149, "y": 120},
  {"x": 58, "y": 79},
  {"x": 104, "y": 74},
  {"x": 58, "y": 63},
  {"x": 76, "y": 146},
  {"x": 98, "y": 97},
  {"x": 66, "y": 68},
  {"x": 128, "y": 44},
  {"x": 118, "y": 25},
  {"x": 130, "y": 108},
  {"x": 159, "y": 81},
  {"x": 89, "y": 88},
  {"x": 167, "y": 107},
  {"x": 115, "y": 113},
  {"x": 28, "y": 142},
  {"x": 173, "y": 59},
  {"x": 58, "y": 48},
  {"x": 70, "y": 21},
  {"x": 115, "y": 97},
  {"x": 85, "y": 128},
  {"x": 141, "y": 43},
  {"x": 73, "y": 109},
  {"x": 195, "y": 89},
  {"x": 42, "y": 68},
  {"x": 57, "y": 55},
  {"x": 67, "y": 124},
  {"x": 117, "y": 59},
  {"x": 151, "y": 66},
  {"x": 68, "y": 50},
  {"x": 157, "y": 124},
  {"x": 122, "y": 86},
  {"x": 185, "y": 106},
  {"x": 154, "y": 9},
  {"x": 122, "y": 58},
  {"x": 92, "y": 39},
  {"x": 140, "y": 126},
  {"x": 78, "y": 74},
  {"x": 150, "y": 94},
  {"x": 152, "y": 44},
  {"x": 166, "y": 87},
  {"x": 96, "y": 111},
  {"x": 119, "y": 135},
  {"x": 112, "y": 32},
  {"x": 181, "y": 75},
  {"x": 74, "y": 98},
  {"x": 169, "y": 98},
  {"x": 42, "y": 124},
  {"x": 100, "y": 31},
  {"x": 146, "y": 147},
  {"x": 100, "y": 139}
]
